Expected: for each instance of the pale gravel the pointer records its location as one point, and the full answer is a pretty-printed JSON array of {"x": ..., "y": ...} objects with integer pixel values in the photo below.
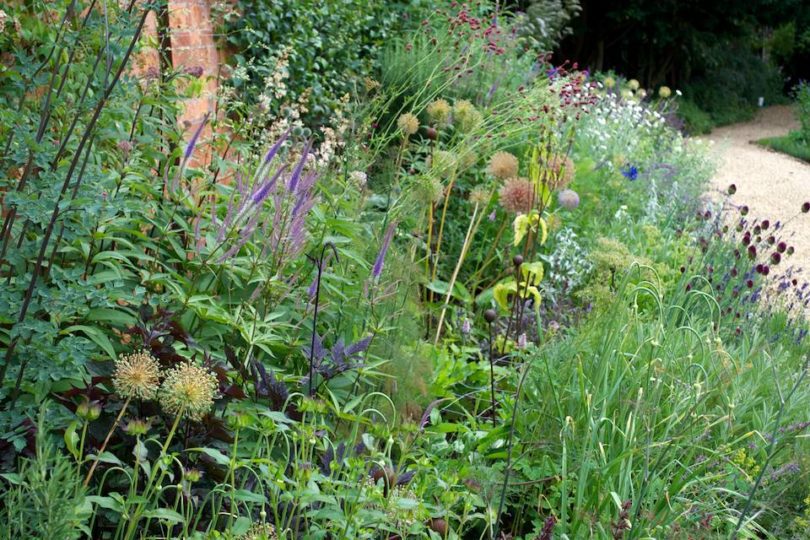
[{"x": 771, "y": 184}]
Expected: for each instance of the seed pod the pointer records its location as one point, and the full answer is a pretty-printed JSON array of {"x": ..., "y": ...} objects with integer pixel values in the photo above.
[{"x": 490, "y": 315}]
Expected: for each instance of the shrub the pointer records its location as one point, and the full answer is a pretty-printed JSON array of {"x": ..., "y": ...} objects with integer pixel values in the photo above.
[{"x": 327, "y": 48}]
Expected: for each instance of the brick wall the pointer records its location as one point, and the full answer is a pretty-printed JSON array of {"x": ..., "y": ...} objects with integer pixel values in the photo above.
[{"x": 191, "y": 45}]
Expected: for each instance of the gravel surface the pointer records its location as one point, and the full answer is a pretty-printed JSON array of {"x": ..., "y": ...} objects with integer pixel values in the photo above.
[{"x": 771, "y": 184}]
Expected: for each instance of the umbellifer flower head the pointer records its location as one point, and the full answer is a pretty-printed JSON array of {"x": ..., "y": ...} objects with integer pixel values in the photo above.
[
  {"x": 188, "y": 390},
  {"x": 439, "y": 111},
  {"x": 408, "y": 124},
  {"x": 517, "y": 195},
  {"x": 136, "y": 376},
  {"x": 560, "y": 171},
  {"x": 503, "y": 165}
]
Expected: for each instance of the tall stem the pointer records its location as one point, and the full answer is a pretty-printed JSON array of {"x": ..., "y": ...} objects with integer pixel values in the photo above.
[{"x": 104, "y": 444}]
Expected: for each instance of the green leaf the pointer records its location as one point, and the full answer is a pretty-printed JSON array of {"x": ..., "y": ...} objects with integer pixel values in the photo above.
[
  {"x": 96, "y": 336},
  {"x": 216, "y": 455},
  {"x": 248, "y": 496},
  {"x": 72, "y": 439},
  {"x": 165, "y": 514}
]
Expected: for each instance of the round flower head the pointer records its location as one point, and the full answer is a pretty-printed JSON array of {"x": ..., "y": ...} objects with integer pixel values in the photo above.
[
  {"x": 633, "y": 84},
  {"x": 443, "y": 162},
  {"x": 568, "y": 199},
  {"x": 429, "y": 190},
  {"x": 610, "y": 82},
  {"x": 627, "y": 94},
  {"x": 466, "y": 116},
  {"x": 517, "y": 195},
  {"x": 664, "y": 92},
  {"x": 188, "y": 390},
  {"x": 439, "y": 111},
  {"x": 479, "y": 196},
  {"x": 560, "y": 172},
  {"x": 503, "y": 165},
  {"x": 467, "y": 159},
  {"x": 136, "y": 376},
  {"x": 641, "y": 93},
  {"x": 408, "y": 124}
]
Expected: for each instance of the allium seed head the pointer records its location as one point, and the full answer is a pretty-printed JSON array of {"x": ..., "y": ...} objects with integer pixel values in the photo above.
[
  {"x": 503, "y": 165},
  {"x": 408, "y": 124},
  {"x": 517, "y": 195},
  {"x": 136, "y": 376},
  {"x": 188, "y": 390},
  {"x": 479, "y": 196}
]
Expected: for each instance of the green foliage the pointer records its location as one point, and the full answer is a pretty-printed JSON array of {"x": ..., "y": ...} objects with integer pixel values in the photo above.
[
  {"x": 331, "y": 47},
  {"x": 792, "y": 144},
  {"x": 43, "y": 499},
  {"x": 696, "y": 120}
]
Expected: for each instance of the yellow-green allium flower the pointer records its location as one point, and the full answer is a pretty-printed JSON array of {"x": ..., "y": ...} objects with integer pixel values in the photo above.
[
  {"x": 633, "y": 84},
  {"x": 188, "y": 390},
  {"x": 443, "y": 162},
  {"x": 610, "y": 82},
  {"x": 136, "y": 376},
  {"x": 466, "y": 116},
  {"x": 503, "y": 165},
  {"x": 664, "y": 92},
  {"x": 439, "y": 111},
  {"x": 408, "y": 123}
]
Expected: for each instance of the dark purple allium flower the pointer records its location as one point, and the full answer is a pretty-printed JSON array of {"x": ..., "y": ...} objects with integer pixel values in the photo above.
[
  {"x": 630, "y": 172},
  {"x": 380, "y": 261},
  {"x": 732, "y": 189},
  {"x": 776, "y": 257},
  {"x": 744, "y": 210},
  {"x": 765, "y": 223},
  {"x": 806, "y": 207},
  {"x": 781, "y": 247},
  {"x": 752, "y": 251}
]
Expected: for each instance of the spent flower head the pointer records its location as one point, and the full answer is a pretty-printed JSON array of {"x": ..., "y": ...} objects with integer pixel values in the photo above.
[
  {"x": 188, "y": 390},
  {"x": 503, "y": 165},
  {"x": 408, "y": 123},
  {"x": 517, "y": 195},
  {"x": 136, "y": 376}
]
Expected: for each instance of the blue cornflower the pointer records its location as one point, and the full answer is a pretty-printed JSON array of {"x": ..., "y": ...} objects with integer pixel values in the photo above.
[{"x": 630, "y": 172}]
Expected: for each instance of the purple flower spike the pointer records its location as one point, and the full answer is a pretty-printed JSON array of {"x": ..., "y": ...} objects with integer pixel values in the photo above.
[
  {"x": 260, "y": 194},
  {"x": 292, "y": 185},
  {"x": 275, "y": 148},
  {"x": 378, "y": 264},
  {"x": 193, "y": 141}
]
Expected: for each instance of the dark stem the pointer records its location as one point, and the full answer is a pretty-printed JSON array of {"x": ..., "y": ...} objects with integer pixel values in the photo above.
[{"x": 315, "y": 313}]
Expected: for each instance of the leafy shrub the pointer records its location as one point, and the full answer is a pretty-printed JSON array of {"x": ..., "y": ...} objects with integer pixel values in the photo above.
[
  {"x": 330, "y": 47},
  {"x": 733, "y": 79},
  {"x": 802, "y": 96}
]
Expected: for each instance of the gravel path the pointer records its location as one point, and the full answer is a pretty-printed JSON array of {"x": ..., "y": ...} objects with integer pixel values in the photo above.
[{"x": 771, "y": 184}]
